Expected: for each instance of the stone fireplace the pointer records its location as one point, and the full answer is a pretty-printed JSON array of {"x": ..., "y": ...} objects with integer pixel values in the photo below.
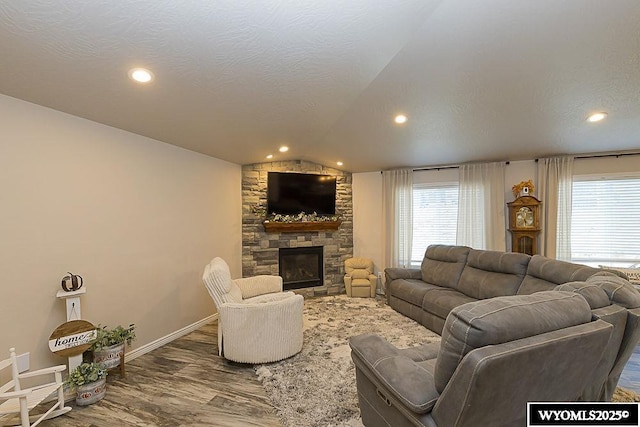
[
  {"x": 261, "y": 249},
  {"x": 301, "y": 267}
]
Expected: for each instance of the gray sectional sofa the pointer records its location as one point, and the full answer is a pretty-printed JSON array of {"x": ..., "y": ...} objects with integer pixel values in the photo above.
[
  {"x": 495, "y": 356},
  {"x": 451, "y": 276}
]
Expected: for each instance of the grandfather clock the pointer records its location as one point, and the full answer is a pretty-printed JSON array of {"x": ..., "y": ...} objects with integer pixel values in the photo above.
[{"x": 524, "y": 224}]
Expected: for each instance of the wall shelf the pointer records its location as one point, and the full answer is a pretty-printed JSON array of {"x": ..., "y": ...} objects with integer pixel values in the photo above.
[{"x": 294, "y": 227}]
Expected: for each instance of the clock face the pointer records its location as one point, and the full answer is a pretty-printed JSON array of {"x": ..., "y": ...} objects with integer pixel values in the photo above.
[{"x": 524, "y": 218}]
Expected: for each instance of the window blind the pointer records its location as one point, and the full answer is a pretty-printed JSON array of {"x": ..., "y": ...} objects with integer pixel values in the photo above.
[
  {"x": 605, "y": 221},
  {"x": 435, "y": 215}
]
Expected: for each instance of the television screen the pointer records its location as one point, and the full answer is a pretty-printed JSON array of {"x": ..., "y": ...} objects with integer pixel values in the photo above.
[{"x": 292, "y": 193}]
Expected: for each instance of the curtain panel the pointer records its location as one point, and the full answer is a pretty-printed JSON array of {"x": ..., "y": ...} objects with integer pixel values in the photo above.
[
  {"x": 397, "y": 217},
  {"x": 555, "y": 183},
  {"x": 481, "y": 206}
]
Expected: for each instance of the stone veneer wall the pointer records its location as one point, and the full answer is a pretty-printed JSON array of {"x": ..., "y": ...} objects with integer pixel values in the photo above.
[{"x": 260, "y": 249}]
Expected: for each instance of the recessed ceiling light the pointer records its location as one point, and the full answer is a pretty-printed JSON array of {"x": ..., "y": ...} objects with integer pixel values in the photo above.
[
  {"x": 141, "y": 75},
  {"x": 596, "y": 117},
  {"x": 283, "y": 149},
  {"x": 270, "y": 156},
  {"x": 339, "y": 163},
  {"x": 400, "y": 119}
]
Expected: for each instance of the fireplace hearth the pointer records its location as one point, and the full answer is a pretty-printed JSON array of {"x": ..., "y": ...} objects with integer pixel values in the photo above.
[{"x": 301, "y": 267}]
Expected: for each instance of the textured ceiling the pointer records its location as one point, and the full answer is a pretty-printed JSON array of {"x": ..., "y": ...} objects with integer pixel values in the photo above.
[{"x": 479, "y": 80}]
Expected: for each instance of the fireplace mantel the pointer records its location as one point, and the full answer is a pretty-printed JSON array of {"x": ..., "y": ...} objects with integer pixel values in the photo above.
[{"x": 293, "y": 227}]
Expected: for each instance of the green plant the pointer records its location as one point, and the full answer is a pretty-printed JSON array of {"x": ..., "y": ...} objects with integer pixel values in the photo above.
[
  {"x": 260, "y": 210},
  {"x": 107, "y": 337},
  {"x": 302, "y": 217},
  {"x": 518, "y": 187},
  {"x": 86, "y": 373}
]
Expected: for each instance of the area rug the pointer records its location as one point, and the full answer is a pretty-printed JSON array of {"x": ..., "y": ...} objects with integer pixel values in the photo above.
[{"x": 317, "y": 387}]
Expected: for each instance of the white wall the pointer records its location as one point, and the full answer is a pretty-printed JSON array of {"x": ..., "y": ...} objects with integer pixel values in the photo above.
[
  {"x": 367, "y": 217},
  {"x": 367, "y": 194},
  {"x": 624, "y": 165},
  {"x": 137, "y": 218}
]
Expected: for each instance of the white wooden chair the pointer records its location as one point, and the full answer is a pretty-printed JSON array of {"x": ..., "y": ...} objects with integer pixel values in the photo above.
[{"x": 15, "y": 400}]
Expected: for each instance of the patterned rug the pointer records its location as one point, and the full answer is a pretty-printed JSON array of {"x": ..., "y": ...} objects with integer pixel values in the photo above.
[{"x": 317, "y": 387}]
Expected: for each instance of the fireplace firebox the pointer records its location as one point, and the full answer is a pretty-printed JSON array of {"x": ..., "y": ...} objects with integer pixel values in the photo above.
[{"x": 301, "y": 267}]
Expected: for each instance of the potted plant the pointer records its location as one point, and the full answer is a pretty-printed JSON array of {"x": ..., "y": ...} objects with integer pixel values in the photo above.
[
  {"x": 108, "y": 348},
  {"x": 89, "y": 381}
]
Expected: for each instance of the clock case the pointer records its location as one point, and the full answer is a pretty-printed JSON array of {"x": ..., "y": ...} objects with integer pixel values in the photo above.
[{"x": 524, "y": 224}]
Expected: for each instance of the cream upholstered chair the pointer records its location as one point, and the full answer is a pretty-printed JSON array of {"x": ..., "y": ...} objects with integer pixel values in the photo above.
[
  {"x": 359, "y": 280},
  {"x": 257, "y": 322},
  {"x": 16, "y": 400}
]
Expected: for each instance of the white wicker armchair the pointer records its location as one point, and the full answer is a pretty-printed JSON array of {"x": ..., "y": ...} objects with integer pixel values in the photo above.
[{"x": 257, "y": 322}]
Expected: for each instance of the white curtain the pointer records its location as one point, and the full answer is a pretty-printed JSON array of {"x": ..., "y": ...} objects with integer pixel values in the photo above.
[
  {"x": 397, "y": 218},
  {"x": 481, "y": 206},
  {"x": 555, "y": 183}
]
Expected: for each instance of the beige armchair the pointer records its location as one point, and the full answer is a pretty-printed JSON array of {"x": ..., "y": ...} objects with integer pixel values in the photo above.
[
  {"x": 257, "y": 322},
  {"x": 359, "y": 280}
]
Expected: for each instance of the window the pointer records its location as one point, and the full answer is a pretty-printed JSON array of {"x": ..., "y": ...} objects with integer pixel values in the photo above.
[
  {"x": 435, "y": 217},
  {"x": 605, "y": 221}
]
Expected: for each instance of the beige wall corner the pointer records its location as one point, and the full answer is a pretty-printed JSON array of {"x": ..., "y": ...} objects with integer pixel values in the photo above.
[
  {"x": 367, "y": 217},
  {"x": 137, "y": 218}
]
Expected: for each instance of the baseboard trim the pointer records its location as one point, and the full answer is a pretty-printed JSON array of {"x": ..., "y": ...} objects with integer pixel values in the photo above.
[
  {"x": 168, "y": 338},
  {"x": 70, "y": 394}
]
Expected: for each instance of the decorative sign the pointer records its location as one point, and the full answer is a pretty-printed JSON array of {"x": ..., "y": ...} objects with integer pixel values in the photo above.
[{"x": 72, "y": 338}]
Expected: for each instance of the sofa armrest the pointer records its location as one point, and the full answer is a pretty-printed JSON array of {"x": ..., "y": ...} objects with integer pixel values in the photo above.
[
  {"x": 246, "y": 318},
  {"x": 392, "y": 274},
  {"x": 402, "y": 378},
  {"x": 259, "y": 285},
  {"x": 264, "y": 298},
  {"x": 422, "y": 352}
]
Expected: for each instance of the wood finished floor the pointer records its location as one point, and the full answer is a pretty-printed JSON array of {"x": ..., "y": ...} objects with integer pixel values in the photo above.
[
  {"x": 630, "y": 378},
  {"x": 183, "y": 383}
]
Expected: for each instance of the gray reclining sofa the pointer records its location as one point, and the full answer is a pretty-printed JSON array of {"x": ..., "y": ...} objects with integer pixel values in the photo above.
[
  {"x": 495, "y": 355},
  {"x": 451, "y": 276}
]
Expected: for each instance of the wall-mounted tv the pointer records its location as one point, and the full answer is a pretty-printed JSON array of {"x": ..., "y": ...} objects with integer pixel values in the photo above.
[{"x": 291, "y": 193}]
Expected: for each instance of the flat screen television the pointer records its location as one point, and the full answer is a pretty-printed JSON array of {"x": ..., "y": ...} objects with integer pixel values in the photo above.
[{"x": 291, "y": 193}]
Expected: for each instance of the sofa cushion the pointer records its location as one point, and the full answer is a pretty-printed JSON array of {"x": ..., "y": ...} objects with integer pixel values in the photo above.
[
  {"x": 503, "y": 319},
  {"x": 360, "y": 274},
  {"x": 361, "y": 282},
  {"x": 352, "y": 264},
  {"x": 440, "y": 301},
  {"x": 217, "y": 279},
  {"x": 632, "y": 274},
  {"x": 544, "y": 274},
  {"x": 595, "y": 296},
  {"x": 442, "y": 264},
  {"x": 410, "y": 290},
  {"x": 619, "y": 290},
  {"x": 489, "y": 274}
]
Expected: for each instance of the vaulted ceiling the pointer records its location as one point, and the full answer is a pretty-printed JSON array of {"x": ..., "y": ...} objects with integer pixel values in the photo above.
[{"x": 236, "y": 79}]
